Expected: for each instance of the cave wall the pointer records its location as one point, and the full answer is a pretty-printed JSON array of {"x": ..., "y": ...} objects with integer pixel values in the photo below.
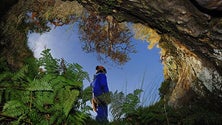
[
  {"x": 13, "y": 46},
  {"x": 191, "y": 42},
  {"x": 191, "y": 78}
]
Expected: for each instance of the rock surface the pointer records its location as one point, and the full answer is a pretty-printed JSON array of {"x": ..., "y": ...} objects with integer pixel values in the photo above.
[{"x": 191, "y": 41}]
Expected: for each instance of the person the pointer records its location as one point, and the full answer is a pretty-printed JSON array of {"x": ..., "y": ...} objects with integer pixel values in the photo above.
[{"x": 99, "y": 89}]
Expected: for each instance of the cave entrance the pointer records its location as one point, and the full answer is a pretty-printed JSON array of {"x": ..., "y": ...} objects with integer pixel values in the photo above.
[{"x": 144, "y": 70}]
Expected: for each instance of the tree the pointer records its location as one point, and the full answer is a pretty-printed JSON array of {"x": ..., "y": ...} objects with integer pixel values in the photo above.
[
  {"x": 106, "y": 37},
  {"x": 40, "y": 16}
]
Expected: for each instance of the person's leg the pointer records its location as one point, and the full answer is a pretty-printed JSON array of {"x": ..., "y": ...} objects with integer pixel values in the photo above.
[{"x": 102, "y": 114}]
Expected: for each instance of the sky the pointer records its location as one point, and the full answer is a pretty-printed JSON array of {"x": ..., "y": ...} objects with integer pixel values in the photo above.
[{"x": 143, "y": 71}]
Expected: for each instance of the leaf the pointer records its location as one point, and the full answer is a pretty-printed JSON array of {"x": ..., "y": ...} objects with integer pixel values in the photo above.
[
  {"x": 5, "y": 75},
  {"x": 39, "y": 85},
  {"x": 14, "y": 108},
  {"x": 70, "y": 98},
  {"x": 137, "y": 91},
  {"x": 21, "y": 73},
  {"x": 87, "y": 94},
  {"x": 43, "y": 100},
  {"x": 45, "y": 97}
]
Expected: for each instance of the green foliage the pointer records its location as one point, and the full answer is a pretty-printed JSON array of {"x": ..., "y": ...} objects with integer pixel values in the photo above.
[
  {"x": 20, "y": 74},
  {"x": 165, "y": 88},
  {"x": 47, "y": 96},
  {"x": 47, "y": 62},
  {"x": 132, "y": 101},
  {"x": 14, "y": 108},
  {"x": 55, "y": 95},
  {"x": 33, "y": 67},
  {"x": 199, "y": 114},
  {"x": 105, "y": 98},
  {"x": 122, "y": 104},
  {"x": 161, "y": 114}
]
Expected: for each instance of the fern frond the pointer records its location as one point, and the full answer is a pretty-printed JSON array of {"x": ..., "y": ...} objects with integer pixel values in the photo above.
[
  {"x": 80, "y": 117},
  {"x": 34, "y": 116},
  {"x": 116, "y": 107},
  {"x": 75, "y": 72},
  {"x": 137, "y": 92},
  {"x": 5, "y": 75},
  {"x": 48, "y": 62},
  {"x": 14, "y": 108},
  {"x": 39, "y": 85},
  {"x": 86, "y": 94},
  {"x": 43, "y": 97},
  {"x": 70, "y": 98},
  {"x": 21, "y": 73},
  {"x": 57, "y": 117},
  {"x": 43, "y": 101}
]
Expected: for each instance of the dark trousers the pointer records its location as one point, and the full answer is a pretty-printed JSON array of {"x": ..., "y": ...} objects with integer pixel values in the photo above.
[{"x": 102, "y": 113}]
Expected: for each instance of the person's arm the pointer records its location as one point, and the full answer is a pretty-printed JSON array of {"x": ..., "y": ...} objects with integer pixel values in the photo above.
[
  {"x": 105, "y": 96},
  {"x": 103, "y": 83}
]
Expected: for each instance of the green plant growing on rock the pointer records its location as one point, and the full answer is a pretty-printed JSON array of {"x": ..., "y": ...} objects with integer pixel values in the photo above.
[{"x": 164, "y": 88}]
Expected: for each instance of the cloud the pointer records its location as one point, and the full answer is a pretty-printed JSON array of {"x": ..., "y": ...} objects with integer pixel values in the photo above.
[{"x": 37, "y": 43}]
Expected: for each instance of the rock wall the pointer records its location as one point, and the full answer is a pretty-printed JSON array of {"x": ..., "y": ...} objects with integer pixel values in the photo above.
[
  {"x": 192, "y": 79},
  {"x": 191, "y": 42},
  {"x": 191, "y": 37}
]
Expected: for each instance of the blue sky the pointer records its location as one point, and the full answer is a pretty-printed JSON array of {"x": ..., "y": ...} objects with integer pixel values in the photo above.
[{"x": 143, "y": 70}]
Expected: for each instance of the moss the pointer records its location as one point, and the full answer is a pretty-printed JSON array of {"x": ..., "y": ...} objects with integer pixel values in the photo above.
[
  {"x": 164, "y": 88},
  {"x": 166, "y": 43}
]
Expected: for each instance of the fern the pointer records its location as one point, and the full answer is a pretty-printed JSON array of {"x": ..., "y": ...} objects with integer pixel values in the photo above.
[
  {"x": 4, "y": 76},
  {"x": 70, "y": 98},
  {"x": 40, "y": 85},
  {"x": 76, "y": 73},
  {"x": 14, "y": 108},
  {"x": 122, "y": 105},
  {"x": 116, "y": 104},
  {"x": 10, "y": 82},
  {"x": 132, "y": 101},
  {"x": 48, "y": 62},
  {"x": 21, "y": 74},
  {"x": 44, "y": 97}
]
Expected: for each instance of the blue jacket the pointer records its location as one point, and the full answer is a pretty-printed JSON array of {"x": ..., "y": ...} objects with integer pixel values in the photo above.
[{"x": 99, "y": 84}]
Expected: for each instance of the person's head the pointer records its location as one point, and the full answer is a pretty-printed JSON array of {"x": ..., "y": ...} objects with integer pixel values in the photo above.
[{"x": 100, "y": 69}]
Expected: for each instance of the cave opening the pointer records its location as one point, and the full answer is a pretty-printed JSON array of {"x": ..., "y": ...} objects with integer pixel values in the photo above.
[
  {"x": 194, "y": 44},
  {"x": 143, "y": 71}
]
